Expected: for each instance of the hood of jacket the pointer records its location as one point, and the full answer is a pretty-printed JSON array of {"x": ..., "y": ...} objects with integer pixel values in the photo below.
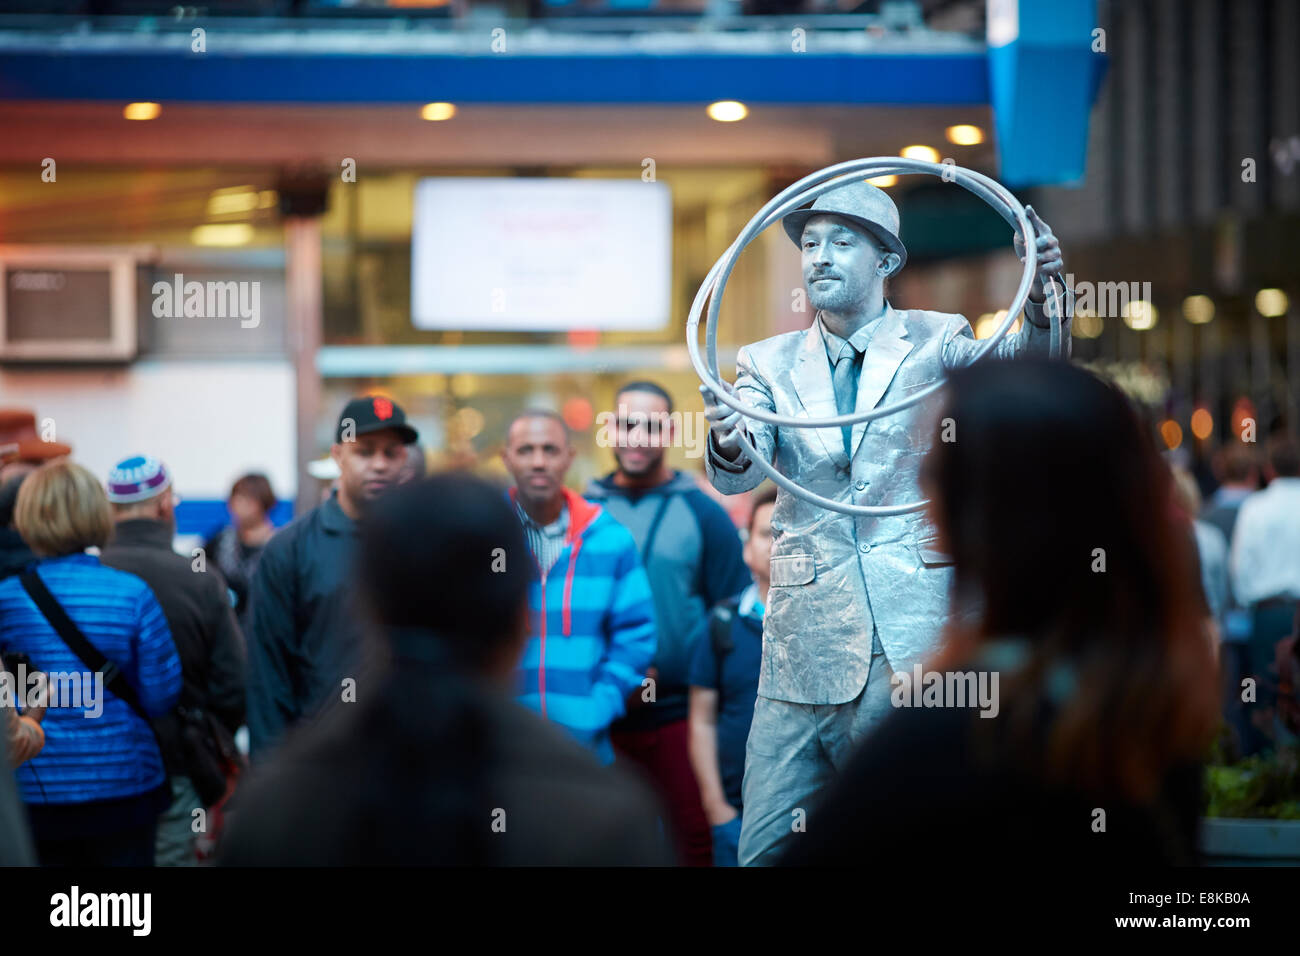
[{"x": 603, "y": 488}]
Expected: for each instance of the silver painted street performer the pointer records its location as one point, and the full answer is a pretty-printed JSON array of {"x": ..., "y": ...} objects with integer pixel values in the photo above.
[{"x": 852, "y": 598}]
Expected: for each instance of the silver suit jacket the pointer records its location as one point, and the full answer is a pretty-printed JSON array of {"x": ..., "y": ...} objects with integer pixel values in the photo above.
[{"x": 832, "y": 574}]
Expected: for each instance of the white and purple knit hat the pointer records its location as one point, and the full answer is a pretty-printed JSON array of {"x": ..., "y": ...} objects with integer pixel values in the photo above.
[{"x": 136, "y": 479}]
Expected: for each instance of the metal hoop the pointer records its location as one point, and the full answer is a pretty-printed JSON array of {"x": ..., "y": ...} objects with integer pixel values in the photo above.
[{"x": 785, "y": 202}]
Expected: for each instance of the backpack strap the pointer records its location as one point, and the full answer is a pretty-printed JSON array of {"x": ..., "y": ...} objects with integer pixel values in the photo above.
[{"x": 647, "y": 548}]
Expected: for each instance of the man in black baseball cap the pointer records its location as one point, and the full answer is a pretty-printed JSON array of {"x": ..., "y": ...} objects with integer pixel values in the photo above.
[
  {"x": 373, "y": 413},
  {"x": 304, "y": 645},
  {"x": 370, "y": 450}
]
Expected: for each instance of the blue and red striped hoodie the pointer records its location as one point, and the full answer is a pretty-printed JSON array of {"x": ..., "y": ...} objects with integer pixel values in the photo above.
[{"x": 592, "y": 628}]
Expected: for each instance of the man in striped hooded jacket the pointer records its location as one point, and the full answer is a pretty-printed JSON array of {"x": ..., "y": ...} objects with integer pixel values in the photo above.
[{"x": 592, "y": 633}]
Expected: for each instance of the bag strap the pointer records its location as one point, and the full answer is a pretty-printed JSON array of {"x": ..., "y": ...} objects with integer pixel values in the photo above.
[
  {"x": 90, "y": 655},
  {"x": 648, "y": 547},
  {"x": 720, "y": 628}
]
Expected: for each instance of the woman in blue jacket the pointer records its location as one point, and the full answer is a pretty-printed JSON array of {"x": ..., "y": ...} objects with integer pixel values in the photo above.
[{"x": 94, "y": 792}]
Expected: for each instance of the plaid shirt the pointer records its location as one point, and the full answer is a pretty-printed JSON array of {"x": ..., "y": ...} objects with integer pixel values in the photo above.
[{"x": 545, "y": 541}]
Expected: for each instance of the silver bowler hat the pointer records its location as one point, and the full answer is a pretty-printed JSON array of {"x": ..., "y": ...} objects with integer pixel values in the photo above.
[{"x": 859, "y": 202}]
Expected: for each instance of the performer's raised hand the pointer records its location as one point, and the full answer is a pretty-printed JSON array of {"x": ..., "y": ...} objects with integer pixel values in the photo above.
[
  {"x": 724, "y": 421},
  {"x": 1050, "y": 264}
]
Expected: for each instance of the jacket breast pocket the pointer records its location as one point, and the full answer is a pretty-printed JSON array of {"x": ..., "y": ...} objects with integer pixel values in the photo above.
[
  {"x": 931, "y": 556},
  {"x": 792, "y": 570},
  {"x": 914, "y": 384}
]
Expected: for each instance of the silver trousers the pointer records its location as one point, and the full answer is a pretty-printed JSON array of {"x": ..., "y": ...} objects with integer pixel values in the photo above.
[{"x": 793, "y": 752}]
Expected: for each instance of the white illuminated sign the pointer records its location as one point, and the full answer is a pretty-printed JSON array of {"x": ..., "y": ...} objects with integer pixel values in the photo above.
[{"x": 541, "y": 254}]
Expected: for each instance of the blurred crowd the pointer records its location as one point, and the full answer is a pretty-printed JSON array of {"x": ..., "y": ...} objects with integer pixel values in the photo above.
[{"x": 439, "y": 670}]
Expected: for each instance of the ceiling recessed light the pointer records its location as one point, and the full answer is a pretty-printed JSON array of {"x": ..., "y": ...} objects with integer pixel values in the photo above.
[
  {"x": 927, "y": 153},
  {"x": 232, "y": 200},
  {"x": 435, "y": 112},
  {"x": 727, "y": 111},
  {"x": 222, "y": 234},
  {"x": 963, "y": 134},
  {"x": 141, "y": 111}
]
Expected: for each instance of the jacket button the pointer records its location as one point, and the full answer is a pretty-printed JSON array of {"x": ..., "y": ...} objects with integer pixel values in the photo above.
[
  {"x": 864, "y": 548},
  {"x": 860, "y": 484}
]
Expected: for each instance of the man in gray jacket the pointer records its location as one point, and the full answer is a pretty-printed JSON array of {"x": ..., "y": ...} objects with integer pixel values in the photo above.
[
  {"x": 852, "y": 599},
  {"x": 692, "y": 556}
]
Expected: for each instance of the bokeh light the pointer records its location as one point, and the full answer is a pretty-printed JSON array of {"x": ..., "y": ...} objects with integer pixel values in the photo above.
[
  {"x": 927, "y": 153},
  {"x": 963, "y": 134},
  {"x": 222, "y": 234},
  {"x": 1140, "y": 315},
  {"x": 727, "y": 111},
  {"x": 578, "y": 413},
  {"x": 436, "y": 112},
  {"x": 468, "y": 421},
  {"x": 988, "y": 323},
  {"x": 1271, "y": 302},
  {"x": 1198, "y": 309},
  {"x": 1202, "y": 423},
  {"x": 583, "y": 339},
  {"x": 1087, "y": 324},
  {"x": 1243, "y": 411},
  {"x": 142, "y": 111}
]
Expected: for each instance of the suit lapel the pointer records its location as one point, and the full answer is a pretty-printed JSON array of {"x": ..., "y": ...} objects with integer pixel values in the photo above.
[
  {"x": 812, "y": 384},
  {"x": 885, "y": 353}
]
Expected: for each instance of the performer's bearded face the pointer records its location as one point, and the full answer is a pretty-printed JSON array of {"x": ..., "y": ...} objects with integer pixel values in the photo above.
[{"x": 840, "y": 263}]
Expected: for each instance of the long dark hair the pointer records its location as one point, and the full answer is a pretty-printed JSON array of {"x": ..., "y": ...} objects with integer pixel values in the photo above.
[
  {"x": 1058, "y": 512},
  {"x": 444, "y": 569}
]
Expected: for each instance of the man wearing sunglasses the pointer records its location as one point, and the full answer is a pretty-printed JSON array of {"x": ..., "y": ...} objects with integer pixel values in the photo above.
[{"x": 692, "y": 554}]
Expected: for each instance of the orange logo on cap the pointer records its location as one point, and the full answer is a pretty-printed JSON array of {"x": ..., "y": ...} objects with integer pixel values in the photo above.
[{"x": 383, "y": 408}]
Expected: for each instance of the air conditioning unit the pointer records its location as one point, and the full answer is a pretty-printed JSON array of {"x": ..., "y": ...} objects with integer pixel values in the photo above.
[{"x": 69, "y": 303}]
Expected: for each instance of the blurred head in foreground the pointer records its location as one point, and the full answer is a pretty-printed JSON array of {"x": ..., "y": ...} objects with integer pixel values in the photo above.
[
  {"x": 443, "y": 561},
  {"x": 1059, "y": 514},
  {"x": 433, "y": 755}
]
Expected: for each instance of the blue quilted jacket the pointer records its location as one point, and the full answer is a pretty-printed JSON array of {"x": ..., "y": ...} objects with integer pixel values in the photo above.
[{"x": 114, "y": 754}]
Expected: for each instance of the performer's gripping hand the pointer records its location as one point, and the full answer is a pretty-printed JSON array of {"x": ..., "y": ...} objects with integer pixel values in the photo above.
[
  {"x": 1050, "y": 264},
  {"x": 724, "y": 422}
]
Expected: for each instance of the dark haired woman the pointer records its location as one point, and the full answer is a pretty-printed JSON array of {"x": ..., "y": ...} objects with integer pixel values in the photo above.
[
  {"x": 237, "y": 547},
  {"x": 1063, "y": 722}
]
